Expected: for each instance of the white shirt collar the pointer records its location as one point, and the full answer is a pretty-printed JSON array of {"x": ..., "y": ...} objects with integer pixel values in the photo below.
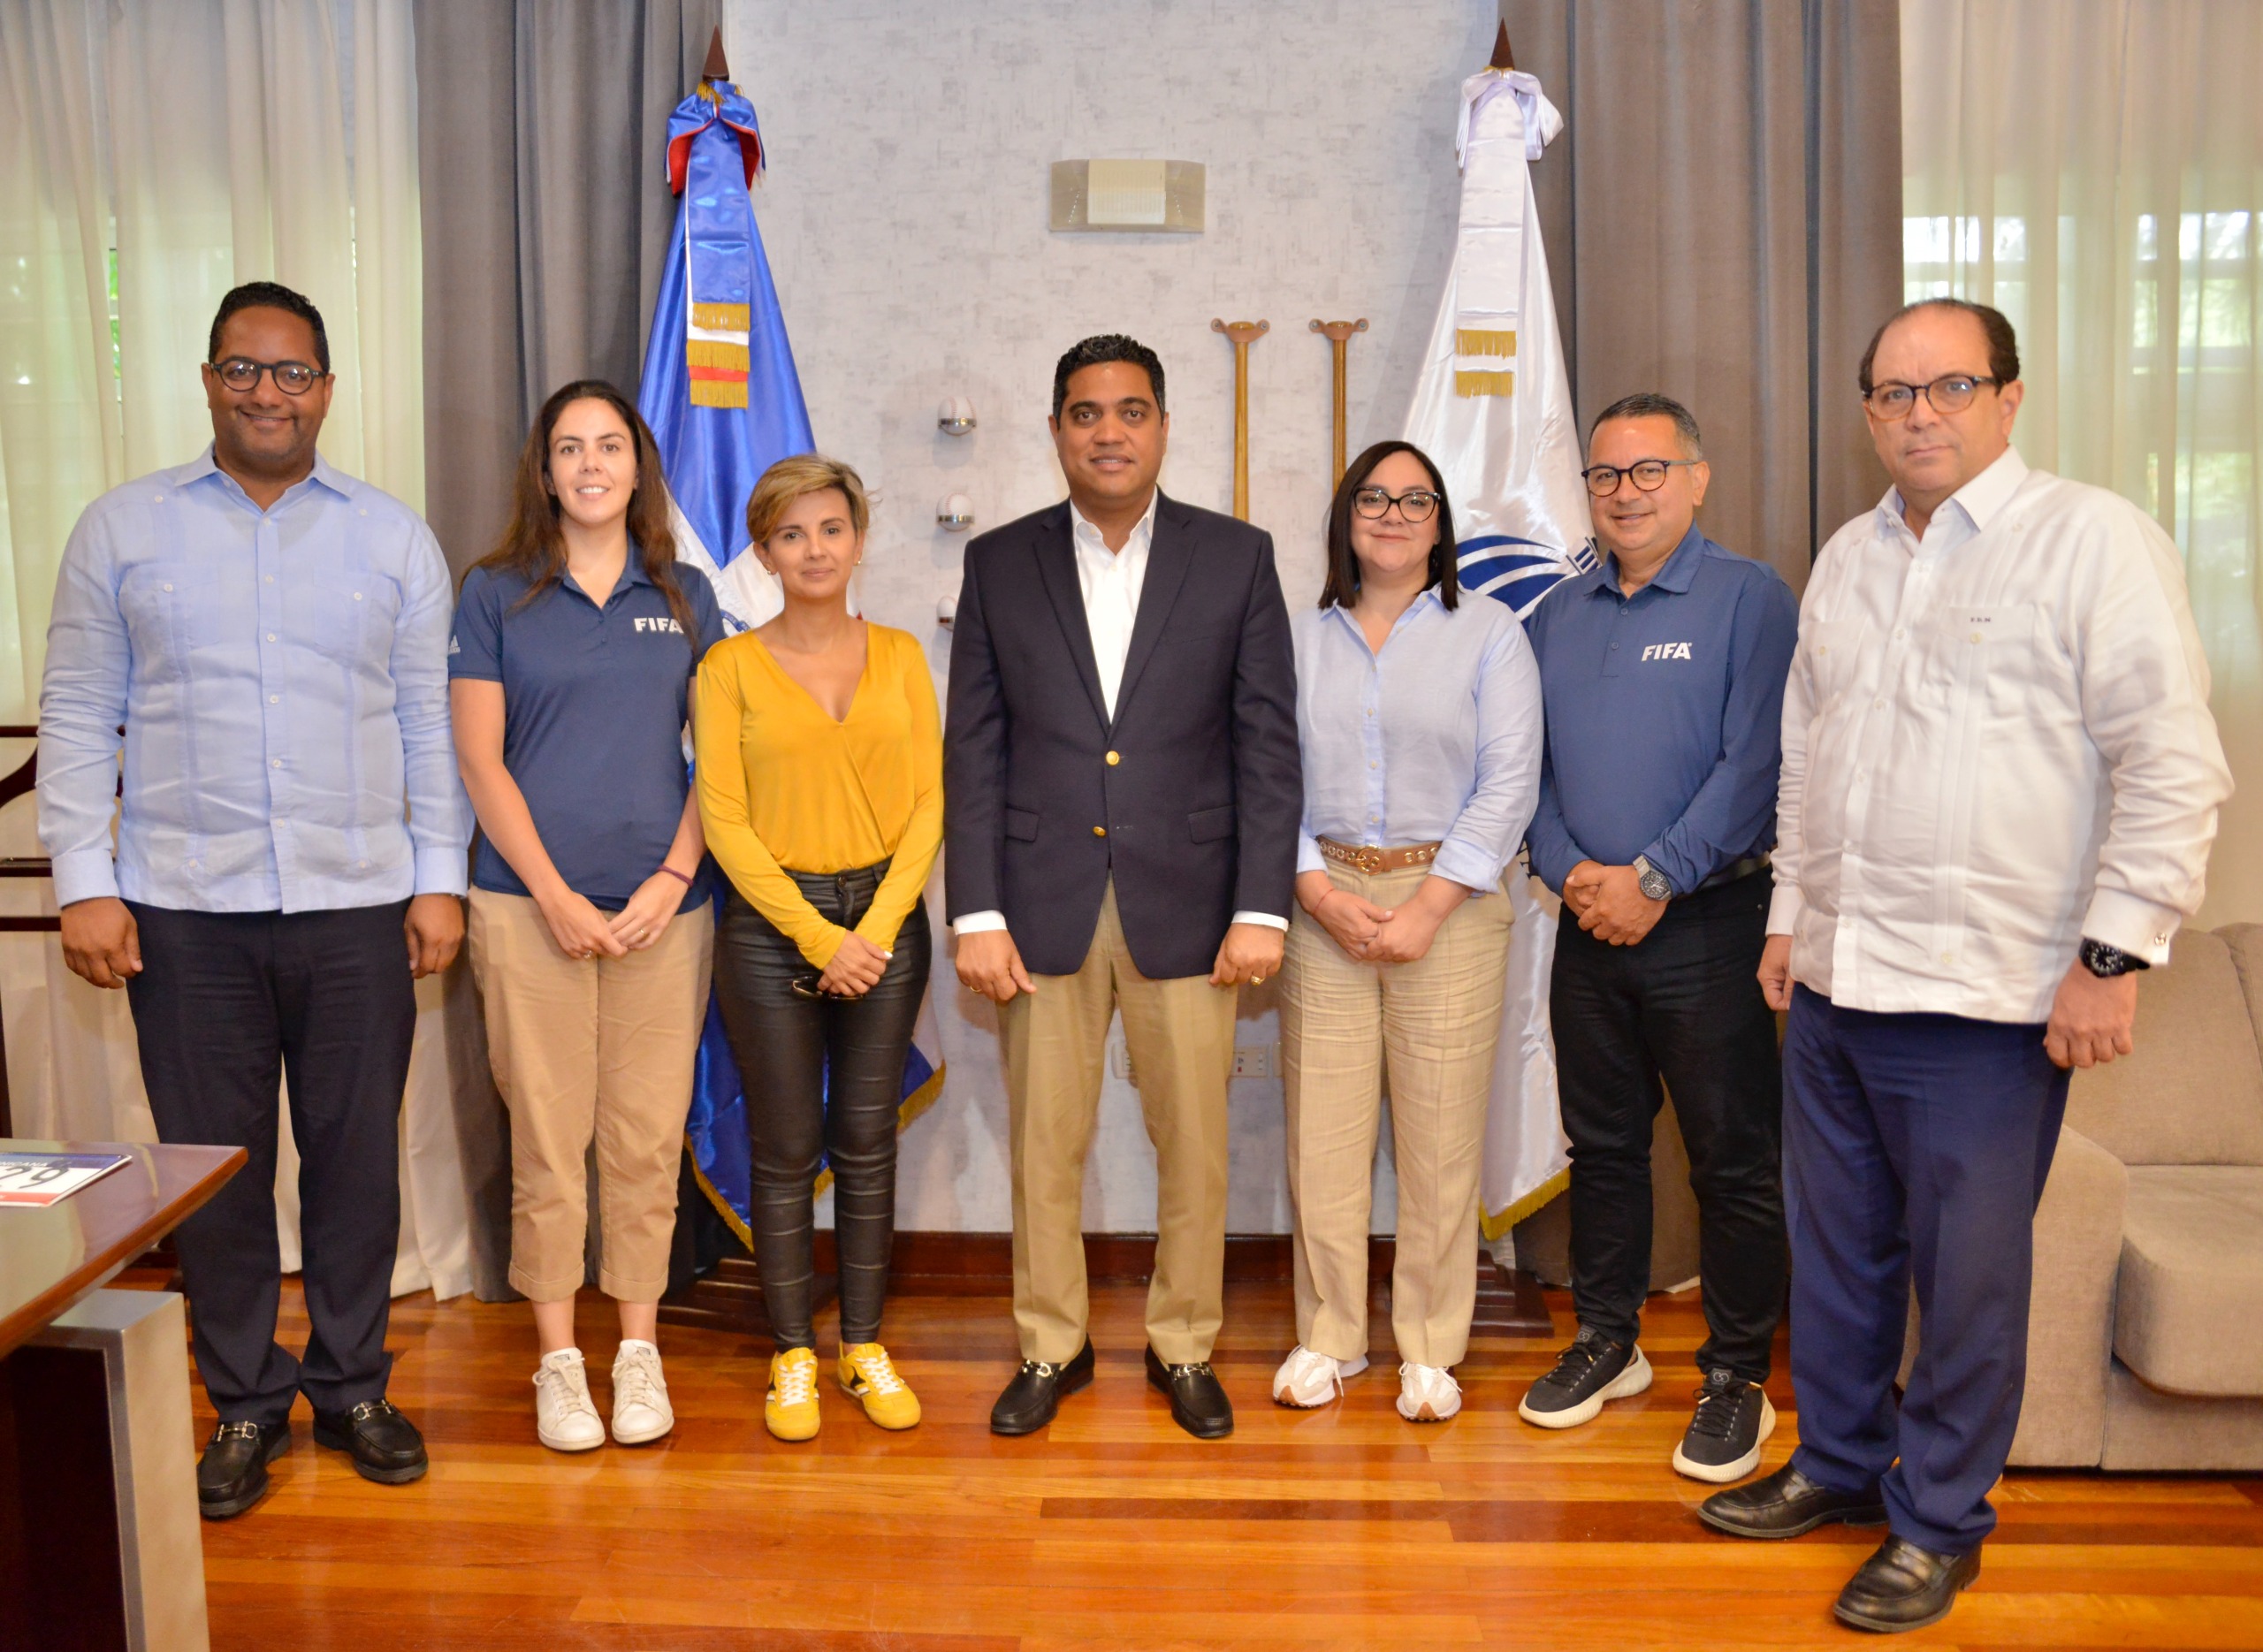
[
  {"x": 1982, "y": 500},
  {"x": 1087, "y": 537}
]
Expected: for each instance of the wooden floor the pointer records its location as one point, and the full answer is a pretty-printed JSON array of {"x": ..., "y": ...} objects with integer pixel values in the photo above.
[{"x": 1344, "y": 1527}]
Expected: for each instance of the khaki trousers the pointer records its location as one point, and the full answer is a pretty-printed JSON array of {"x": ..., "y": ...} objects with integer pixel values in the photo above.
[
  {"x": 598, "y": 1048},
  {"x": 1181, "y": 1038},
  {"x": 1432, "y": 1026}
]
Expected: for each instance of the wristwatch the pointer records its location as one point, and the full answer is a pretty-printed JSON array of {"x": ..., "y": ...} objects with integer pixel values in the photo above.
[
  {"x": 2106, "y": 961},
  {"x": 1653, "y": 882}
]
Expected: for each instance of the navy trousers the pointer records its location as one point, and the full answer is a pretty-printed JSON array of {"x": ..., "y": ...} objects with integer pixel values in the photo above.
[
  {"x": 228, "y": 1004},
  {"x": 1915, "y": 1150}
]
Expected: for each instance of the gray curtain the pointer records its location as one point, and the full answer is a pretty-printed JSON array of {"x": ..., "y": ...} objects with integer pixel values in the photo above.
[
  {"x": 546, "y": 215},
  {"x": 1722, "y": 216}
]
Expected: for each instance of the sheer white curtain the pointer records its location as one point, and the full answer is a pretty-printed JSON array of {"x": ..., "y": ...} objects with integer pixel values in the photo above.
[
  {"x": 2094, "y": 168},
  {"x": 153, "y": 153}
]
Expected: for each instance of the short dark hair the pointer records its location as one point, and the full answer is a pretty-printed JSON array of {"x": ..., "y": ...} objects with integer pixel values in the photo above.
[
  {"x": 269, "y": 295},
  {"x": 2003, "y": 343},
  {"x": 1342, "y": 588},
  {"x": 1105, "y": 347},
  {"x": 1647, "y": 404}
]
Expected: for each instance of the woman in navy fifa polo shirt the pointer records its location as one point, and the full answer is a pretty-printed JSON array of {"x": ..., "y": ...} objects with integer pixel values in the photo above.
[{"x": 591, "y": 936}]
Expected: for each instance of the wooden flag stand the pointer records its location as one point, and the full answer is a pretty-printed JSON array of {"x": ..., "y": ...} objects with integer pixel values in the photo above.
[
  {"x": 1241, "y": 335},
  {"x": 1339, "y": 336}
]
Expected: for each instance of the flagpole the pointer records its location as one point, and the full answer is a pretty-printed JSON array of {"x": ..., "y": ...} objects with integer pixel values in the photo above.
[
  {"x": 1241, "y": 335},
  {"x": 1339, "y": 336}
]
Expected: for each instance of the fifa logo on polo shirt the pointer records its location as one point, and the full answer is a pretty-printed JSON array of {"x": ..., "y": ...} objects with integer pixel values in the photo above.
[
  {"x": 1666, "y": 650},
  {"x": 659, "y": 625}
]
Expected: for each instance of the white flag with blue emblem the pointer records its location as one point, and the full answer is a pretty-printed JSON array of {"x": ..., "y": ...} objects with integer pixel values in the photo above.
[{"x": 1493, "y": 408}]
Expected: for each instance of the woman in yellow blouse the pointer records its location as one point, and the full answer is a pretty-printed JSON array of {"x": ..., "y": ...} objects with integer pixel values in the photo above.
[{"x": 820, "y": 769}]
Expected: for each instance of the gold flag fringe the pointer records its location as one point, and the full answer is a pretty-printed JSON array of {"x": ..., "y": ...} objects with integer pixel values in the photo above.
[
  {"x": 719, "y": 392},
  {"x": 712, "y": 353},
  {"x": 1484, "y": 383},
  {"x": 721, "y": 317},
  {"x": 1494, "y": 1226},
  {"x": 1481, "y": 341}
]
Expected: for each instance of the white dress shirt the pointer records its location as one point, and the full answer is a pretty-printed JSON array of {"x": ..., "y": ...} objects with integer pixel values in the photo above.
[
  {"x": 1996, "y": 743},
  {"x": 1111, "y": 581}
]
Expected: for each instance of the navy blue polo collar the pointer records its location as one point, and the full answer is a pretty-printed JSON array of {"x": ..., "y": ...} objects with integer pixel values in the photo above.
[
  {"x": 632, "y": 573},
  {"x": 1674, "y": 574}
]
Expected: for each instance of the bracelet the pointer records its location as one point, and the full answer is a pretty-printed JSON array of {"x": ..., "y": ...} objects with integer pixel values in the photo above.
[{"x": 673, "y": 873}]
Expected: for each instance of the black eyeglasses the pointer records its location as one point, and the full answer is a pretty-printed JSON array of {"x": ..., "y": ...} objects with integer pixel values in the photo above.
[
  {"x": 1953, "y": 392},
  {"x": 1416, "y": 505},
  {"x": 240, "y": 374},
  {"x": 1649, "y": 474}
]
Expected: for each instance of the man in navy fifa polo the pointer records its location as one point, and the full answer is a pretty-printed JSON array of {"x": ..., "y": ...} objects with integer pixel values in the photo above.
[
  {"x": 564, "y": 749},
  {"x": 1662, "y": 676}
]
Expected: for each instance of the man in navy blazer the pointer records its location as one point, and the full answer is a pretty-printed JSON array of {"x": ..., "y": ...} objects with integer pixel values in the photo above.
[{"x": 1122, "y": 798}]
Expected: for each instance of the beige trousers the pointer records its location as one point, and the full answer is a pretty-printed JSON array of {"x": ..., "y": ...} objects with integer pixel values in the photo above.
[
  {"x": 1432, "y": 1027},
  {"x": 582, "y": 1048},
  {"x": 1180, "y": 1034}
]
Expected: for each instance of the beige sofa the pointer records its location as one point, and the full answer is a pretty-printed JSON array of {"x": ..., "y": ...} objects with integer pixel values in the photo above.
[{"x": 2146, "y": 1341}]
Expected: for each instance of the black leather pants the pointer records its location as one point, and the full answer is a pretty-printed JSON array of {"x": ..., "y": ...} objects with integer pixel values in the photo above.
[{"x": 823, "y": 1076}]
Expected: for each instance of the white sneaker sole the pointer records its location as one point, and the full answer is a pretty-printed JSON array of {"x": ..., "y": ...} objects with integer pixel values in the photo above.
[
  {"x": 1742, "y": 1467},
  {"x": 643, "y": 1436},
  {"x": 557, "y": 1443},
  {"x": 1633, "y": 1381},
  {"x": 1424, "y": 1413},
  {"x": 1345, "y": 1370}
]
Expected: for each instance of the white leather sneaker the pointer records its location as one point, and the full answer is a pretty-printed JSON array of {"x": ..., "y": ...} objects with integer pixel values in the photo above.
[
  {"x": 641, "y": 1411},
  {"x": 1307, "y": 1379},
  {"x": 1427, "y": 1393},
  {"x": 563, "y": 1419}
]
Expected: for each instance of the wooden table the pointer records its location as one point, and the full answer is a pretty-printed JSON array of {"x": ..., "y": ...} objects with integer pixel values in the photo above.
[
  {"x": 51, "y": 1256},
  {"x": 99, "y": 1545}
]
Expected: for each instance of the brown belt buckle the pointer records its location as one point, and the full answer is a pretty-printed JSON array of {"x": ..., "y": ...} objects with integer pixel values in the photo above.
[{"x": 1367, "y": 858}]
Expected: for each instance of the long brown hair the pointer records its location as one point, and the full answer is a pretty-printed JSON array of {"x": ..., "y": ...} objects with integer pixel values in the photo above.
[
  {"x": 1342, "y": 588},
  {"x": 534, "y": 547}
]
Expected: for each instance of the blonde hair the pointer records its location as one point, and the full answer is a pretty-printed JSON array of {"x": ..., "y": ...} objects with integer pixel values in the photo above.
[{"x": 796, "y": 478}]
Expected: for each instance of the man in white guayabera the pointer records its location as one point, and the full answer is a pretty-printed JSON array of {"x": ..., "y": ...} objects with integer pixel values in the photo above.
[{"x": 1999, "y": 785}]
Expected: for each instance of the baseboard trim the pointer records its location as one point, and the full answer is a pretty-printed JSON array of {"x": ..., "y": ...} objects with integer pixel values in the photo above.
[{"x": 935, "y": 1264}]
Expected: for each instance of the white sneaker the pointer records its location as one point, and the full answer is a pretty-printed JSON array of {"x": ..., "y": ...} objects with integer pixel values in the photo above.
[
  {"x": 1427, "y": 1393},
  {"x": 1307, "y": 1379},
  {"x": 641, "y": 1411},
  {"x": 563, "y": 1419}
]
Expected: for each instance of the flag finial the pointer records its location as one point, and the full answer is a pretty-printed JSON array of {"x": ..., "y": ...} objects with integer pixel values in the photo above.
[
  {"x": 718, "y": 67},
  {"x": 1504, "y": 59}
]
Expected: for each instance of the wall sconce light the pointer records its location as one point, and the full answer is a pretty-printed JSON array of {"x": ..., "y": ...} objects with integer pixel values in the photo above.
[
  {"x": 955, "y": 416},
  {"x": 1155, "y": 196},
  {"x": 955, "y": 513}
]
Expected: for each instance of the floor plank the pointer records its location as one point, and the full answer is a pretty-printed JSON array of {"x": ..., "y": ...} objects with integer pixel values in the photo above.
[{"x": 1343, "y": 1527}]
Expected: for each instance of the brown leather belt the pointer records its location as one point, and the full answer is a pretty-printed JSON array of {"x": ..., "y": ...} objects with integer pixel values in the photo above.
[{"x": 1367, "y": 858}]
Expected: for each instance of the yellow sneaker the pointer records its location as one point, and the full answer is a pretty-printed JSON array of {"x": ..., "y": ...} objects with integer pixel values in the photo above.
[
  {"x": 866, "y": 1375},
  {"x": 789, "y": 1409}
]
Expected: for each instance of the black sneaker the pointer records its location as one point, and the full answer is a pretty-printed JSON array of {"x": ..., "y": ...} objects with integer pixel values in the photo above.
[
  {"x": 1592, "y": 1370},
  {"x": 1723, "y": 1439}
]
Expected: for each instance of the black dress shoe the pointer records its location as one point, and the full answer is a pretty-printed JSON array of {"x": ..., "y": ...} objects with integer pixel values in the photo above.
[
  {"x": 1787, "y": 1503},
  {"x": 1197, "y": 1400},
  {"x": 1903, "y": 1587},
  {"x": 1036, "y": 1392},
  {"x": 231, "y": 1475},
  {"x": 383, "y": 1445}
]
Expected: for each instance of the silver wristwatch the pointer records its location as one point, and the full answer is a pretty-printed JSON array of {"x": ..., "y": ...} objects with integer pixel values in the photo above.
[{"x": 1652, "y": 880}]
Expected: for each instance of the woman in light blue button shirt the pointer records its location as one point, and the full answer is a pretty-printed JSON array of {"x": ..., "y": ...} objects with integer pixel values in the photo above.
[{"x": 1418, "y": 717}]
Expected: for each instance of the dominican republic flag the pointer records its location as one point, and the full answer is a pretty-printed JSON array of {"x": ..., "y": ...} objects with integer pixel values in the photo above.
[
  {"x": 725, "y": 404},
  {"x": 1493, "y": 408}
]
